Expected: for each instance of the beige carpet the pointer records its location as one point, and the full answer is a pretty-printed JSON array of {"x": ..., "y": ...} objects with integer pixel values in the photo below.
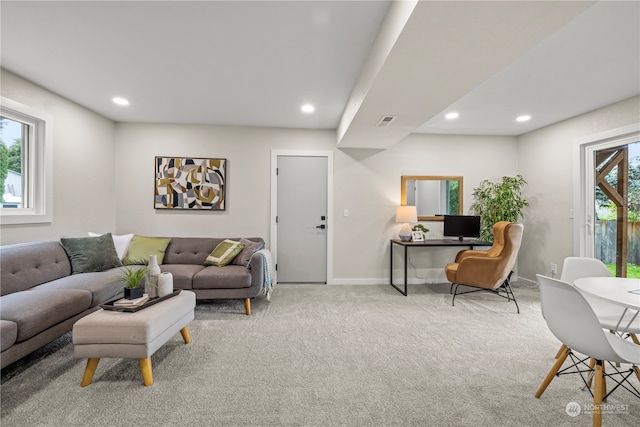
[{"x": 324, "y": 356}]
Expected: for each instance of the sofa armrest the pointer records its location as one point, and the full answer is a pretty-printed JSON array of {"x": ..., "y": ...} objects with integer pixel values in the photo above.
[{"x": 256, "y": 265}]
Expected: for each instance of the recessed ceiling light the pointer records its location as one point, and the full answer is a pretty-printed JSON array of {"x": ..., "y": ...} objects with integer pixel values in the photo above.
[
  {"x": 524, "y": 118},
  {"x": 452, "y": 115},
  {"x": 120, "y": 101},
  {"x": 308, "y": 108}
]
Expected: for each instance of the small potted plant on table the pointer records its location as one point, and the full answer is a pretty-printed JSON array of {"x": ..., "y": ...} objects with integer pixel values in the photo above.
[{"x": 133, "y": 280}]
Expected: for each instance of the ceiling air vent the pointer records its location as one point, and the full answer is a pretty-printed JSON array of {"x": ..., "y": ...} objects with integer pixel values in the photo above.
[{"x": 385, "y": 121}]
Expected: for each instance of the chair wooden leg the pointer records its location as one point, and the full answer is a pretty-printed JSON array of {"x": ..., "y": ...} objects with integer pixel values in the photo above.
[
  {"x": 247, "y": 306},
  {"x": 634, "y": 338},
  {"x": 186, "y": 336},
  {"x": 598, "y": 393},
  {"x": 560, "y": 350},
  {"x": 592, "y": 364},
  {"x": 554, "y": 370},
  {"x": 92, "y": 364},
  {"x": 604, "y": 383},
  {"x": 147, "y": 373}
]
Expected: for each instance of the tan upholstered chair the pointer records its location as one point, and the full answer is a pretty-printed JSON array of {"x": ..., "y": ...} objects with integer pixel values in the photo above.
[{"x": 488, "y": 270}]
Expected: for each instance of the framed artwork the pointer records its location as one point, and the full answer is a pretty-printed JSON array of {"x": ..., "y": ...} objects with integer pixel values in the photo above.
[
  {"x": 417, "y": 236},
  {"x": 190, "y": 183}
]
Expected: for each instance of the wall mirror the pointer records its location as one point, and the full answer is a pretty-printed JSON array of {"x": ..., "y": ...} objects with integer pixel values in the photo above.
[{"x": 433, "y": 196}]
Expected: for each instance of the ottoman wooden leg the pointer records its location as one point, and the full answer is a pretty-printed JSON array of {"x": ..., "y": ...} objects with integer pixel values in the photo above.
[
  {"x": 185, "y": 335},
  {"x": 92, "y": 364},
  {"x": 147, "y": 373}
]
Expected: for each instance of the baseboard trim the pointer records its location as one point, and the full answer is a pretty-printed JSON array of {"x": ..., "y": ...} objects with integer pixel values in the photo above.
[
  {"x": 383, "y": 281},
  {"x": 411, "y": 281}
]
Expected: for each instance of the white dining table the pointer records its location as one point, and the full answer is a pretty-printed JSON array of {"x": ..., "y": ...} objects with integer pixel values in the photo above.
[{"x": 616, "y": 290}]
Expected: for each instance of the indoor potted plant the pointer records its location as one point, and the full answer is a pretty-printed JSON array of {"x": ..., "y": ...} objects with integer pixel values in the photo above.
[
  {"x": 498, "y": 201},
  {"x": 133, "y": 280}
]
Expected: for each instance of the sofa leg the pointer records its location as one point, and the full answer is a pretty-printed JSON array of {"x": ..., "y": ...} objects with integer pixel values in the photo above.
[
  {"x": 92, "y": 364},
  {"x": 247, "y": 306},
  {"x": 186, "y": 336}
]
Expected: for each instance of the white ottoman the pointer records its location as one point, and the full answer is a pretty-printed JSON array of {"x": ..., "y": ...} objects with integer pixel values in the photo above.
[{"x": 105, "y": 333}]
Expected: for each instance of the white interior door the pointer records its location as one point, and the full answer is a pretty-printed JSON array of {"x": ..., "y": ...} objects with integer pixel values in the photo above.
[{"x": 301, "y": 219}]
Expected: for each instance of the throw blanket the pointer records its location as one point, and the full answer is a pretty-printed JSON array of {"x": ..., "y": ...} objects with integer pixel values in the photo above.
[{"x": 267, "y": 285}]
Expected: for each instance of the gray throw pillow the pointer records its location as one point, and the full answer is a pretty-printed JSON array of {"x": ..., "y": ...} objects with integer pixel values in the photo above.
[
  {"x": 89, "y": 254},
  {"x": 250, "y": 248}
]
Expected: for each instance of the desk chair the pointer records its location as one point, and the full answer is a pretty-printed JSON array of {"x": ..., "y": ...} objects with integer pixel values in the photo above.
[
  {"x": 572, "y": 320},
  {"x": 488, "y": 270}
]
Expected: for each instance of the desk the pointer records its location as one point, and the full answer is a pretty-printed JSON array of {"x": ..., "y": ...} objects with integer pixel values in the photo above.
[
  {"x": 428, "y": 243},
  {"x": 615, "y": 290}
]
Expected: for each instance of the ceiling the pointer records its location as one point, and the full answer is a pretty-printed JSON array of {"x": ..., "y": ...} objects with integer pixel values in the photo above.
[{"x": 256, "y": 63}]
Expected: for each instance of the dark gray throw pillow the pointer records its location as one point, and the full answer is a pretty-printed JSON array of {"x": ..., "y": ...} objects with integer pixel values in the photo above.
[
  {"x": 250, "y": 248},
  {"x": 89, "y": 254}
]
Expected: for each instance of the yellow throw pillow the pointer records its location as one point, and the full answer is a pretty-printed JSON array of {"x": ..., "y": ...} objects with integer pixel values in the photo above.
[
  {"x": 224, "y": 253},
  {"x": 141, "y": 247}
]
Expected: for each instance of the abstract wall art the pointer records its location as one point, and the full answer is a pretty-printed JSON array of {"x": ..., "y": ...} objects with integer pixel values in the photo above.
[{"x": 190, "y": 183}]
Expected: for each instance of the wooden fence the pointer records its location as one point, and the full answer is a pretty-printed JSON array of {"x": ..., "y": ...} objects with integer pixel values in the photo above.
[{"x": 606, "y": 242}]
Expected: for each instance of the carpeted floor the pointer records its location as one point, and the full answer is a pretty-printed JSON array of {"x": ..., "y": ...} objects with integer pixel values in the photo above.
[{"x": 324, "y": 356}]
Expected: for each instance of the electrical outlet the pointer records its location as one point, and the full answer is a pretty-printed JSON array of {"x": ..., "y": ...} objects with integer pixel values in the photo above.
[{"x": 553, "y": 268}]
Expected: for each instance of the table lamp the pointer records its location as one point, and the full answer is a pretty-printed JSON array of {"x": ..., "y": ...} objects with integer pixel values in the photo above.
[{"x": 405, "y": 215}]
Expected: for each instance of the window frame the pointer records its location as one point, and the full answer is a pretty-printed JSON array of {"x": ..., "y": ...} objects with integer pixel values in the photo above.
[{"x": 38, "y": 164}]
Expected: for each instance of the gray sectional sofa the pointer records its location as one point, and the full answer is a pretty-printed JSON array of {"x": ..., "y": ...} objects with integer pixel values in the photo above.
[{"x": 40, "y": 298}]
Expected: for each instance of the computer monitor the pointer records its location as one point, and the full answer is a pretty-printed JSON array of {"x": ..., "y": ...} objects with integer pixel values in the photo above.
[{"x": 461, "y": 226}]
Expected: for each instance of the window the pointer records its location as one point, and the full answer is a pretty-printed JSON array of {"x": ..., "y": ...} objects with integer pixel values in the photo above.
[{"x": 25, "y": 164}]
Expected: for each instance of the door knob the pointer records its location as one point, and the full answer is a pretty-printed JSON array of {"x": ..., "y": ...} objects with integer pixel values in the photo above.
[{"x": 321, "y": 226}]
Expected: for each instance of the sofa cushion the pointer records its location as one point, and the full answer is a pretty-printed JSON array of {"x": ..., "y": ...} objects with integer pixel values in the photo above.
[
  {"x": 8, "y": 334},
  {"x": 190, "y": 250},
  {"x": 37, "y": 310},
  {"x": 104, "y": 286},
  {"x": 250, "y": 248},
  {"x": 224, "y": 253},
  {"x": 120, "y": 242},
  {"x": 142, "y": 247},
  {"x": 229, "y": 277},
  {"x": 88, "y": 254},
  {"x": 194, "y": 250},
  {"x": 25, "y": 265},
  {"x": 182, "y": 274}
]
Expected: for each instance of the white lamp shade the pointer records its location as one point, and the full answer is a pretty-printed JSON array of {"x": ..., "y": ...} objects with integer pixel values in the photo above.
[{"x": 406, "y": 214}]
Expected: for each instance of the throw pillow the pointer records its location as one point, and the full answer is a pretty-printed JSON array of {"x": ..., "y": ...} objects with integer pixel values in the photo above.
[
  {"x": 88, "y": 254},
  {"x": 224, "y": 253},
  {"x": 121, "y": 243},
  {"x": 141, "y": 247},
  {"x": 250, "y": 248}
]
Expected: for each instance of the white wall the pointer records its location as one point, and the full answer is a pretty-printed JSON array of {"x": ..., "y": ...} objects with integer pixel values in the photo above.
[
  {"x": 547, "y": 163},
  {"x": 367, "y": 182},
  {"x": 84, "y": 191},
  {"x": 104, "y": 181},
  {"x": 248, "y": 154}
]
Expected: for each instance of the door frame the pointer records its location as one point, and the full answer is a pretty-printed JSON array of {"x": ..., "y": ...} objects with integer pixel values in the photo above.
[
  {"x": 583, "y": 197},
  {"x": 273, "y": 235}
]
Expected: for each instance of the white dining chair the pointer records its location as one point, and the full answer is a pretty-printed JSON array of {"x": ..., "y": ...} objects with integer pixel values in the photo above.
[
  {"x": 572, "y": 320},
  {"x": 608, "y": 313}
]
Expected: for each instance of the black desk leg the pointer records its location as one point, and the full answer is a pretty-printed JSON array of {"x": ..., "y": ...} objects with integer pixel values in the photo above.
[
  {"x": 405, "y": 271},
  {"x": 391, "y": 270}
]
